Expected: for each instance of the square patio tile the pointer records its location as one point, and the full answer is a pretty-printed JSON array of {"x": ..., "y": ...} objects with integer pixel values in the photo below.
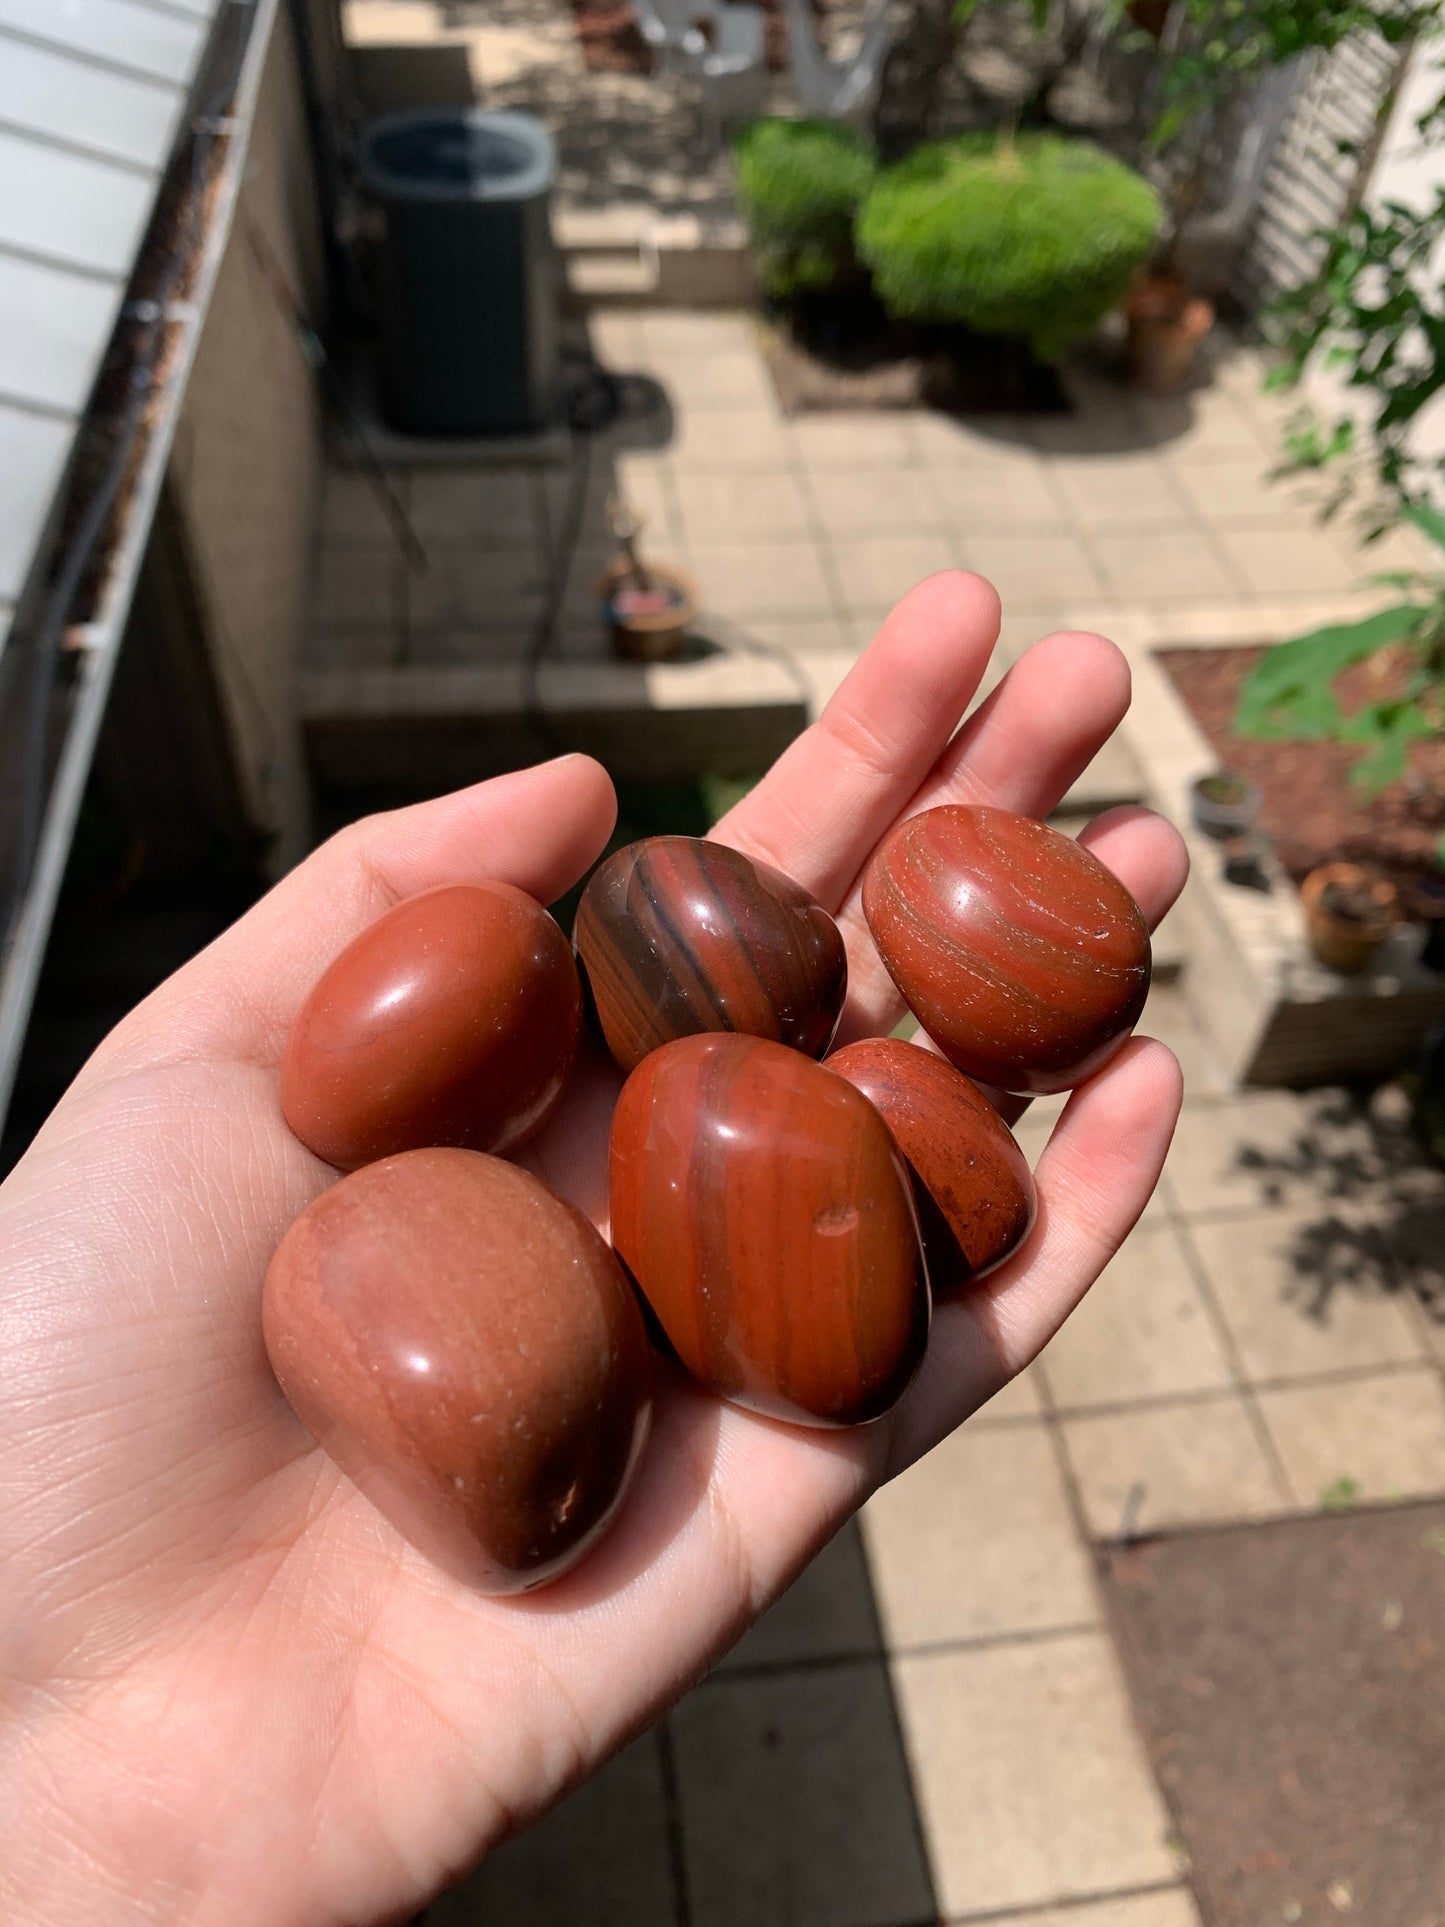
[
  {"x": 1030, "y": 1777},
  {"x": 960, "y": 441},
  {"x": 860, "y": 439},
  {"x": 1271, "y": 1277},
  {"x": 807, "y": 635},
  {"x": 1142, "y": 1332},
  {"x": 479, "y": 589},
  {"x": 476, "y": 508},
  {"x": 1167, "y": 1016},
  {"x": 729, "y": 441},
  {"x": 616, "y": 337},
  {"x": 1019, "y": 1400},
  {"x": 1237, "y": 488},
  {"x": 874, "y": 571},
  {"x": 357, "y": 589},
  {"x": 600, "y": 1857},
  {"x": 1286, "y": 561},
  {"x": 1045, "y": 567},
  {"x": 688, "y": 334},
  {"x": 1015, "y": 491},
  {"x": 1209, "y": 423},
  {"x": 1022, "y": 628},
  {"x": 1192, "y": 1463},
  {"x": 352, "y": 512},
  {"x": 730, "y": 508},
  {"x": 732, "y": 377},
  {"x": 1166, "y": 1907},
  {"x": 1103, "y": 423},
  {"x": 796, "y": 1803},
  {"x": 1249, "y": 1152},
  {"x": 827, "y": 1612},
  {"x": 977, "y": 1540},
  {"x": 1367, "y": 1438},
  {"x": 873, "y": 502},
  {"x": 1133, "y": 492},
  {"x": 762, "y": 578},
  {"x": 1160, "y": 564}
]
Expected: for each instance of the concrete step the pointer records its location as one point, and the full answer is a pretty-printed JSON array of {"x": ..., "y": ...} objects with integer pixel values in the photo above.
[{"x": 725, "y": 711}]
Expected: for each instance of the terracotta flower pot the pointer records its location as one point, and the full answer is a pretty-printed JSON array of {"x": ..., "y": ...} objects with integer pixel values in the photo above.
[
  {"x": 1166, "y": 324},
  {"x": 1347, "y": 942},
  {"x": 643, "y": 628}
]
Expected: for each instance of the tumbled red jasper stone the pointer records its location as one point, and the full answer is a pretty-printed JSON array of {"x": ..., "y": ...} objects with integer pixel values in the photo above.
[
  {"x": 469, "y": 1351},
  {"x": 762, "y": 1206},
  {"x": 1024, "y": 959},
  {"x": 452, "y": 1020},
  {"x": 678, "y": 934},
  {"x": 976, "y": 1198}
]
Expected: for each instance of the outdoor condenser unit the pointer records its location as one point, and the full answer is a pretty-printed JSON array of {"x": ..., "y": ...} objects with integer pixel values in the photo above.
[{"x": 468, "y": 281}]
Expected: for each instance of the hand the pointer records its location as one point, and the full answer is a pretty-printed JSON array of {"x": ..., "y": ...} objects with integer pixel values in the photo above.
[{"x": 228, "y": 1690}]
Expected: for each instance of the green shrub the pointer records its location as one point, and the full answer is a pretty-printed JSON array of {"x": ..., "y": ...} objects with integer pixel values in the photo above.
[
  {"x": 800, "y": 183},
  {"x": 1038, "y": 237}
]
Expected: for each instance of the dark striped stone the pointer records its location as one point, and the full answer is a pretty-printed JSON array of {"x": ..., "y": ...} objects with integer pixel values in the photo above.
[{"x": 678, "y": 935}]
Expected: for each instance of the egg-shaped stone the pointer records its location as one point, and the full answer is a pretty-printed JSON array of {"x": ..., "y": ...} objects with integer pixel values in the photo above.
[
  {"x": 451, "y": 1020},
  {"x": 764, "y": 1210},
  {"x": 679, "y": 935},
  {"x": 974, "y": 1189},
  {"x": 469, "y": 1351},
  {"x": 1025, "y": 960}
]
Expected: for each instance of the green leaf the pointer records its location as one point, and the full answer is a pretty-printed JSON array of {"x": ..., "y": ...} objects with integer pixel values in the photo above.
[
  {"x": 1290, "y": 692},
  {"x": 1429, "y": 521}
]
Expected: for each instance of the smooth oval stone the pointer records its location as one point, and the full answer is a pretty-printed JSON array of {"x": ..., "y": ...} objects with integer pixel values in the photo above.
[
  {"x": 1024, "y": 959},
  {"x": 678, "y": 935},
  {"x": 764, "y": 1210},
  {"x": 452, "y": 1020},
  {"x": 469, "y": 1351},
  {"x": 974, "y": 1189}
]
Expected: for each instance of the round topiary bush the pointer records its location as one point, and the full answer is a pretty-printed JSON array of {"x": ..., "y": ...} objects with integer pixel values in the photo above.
[
  {"x": 800, "y": 184},
  {"x": 1037, "y": 237}
]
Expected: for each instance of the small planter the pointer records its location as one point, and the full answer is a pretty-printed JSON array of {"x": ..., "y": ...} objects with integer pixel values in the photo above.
[
  {"x": 1349, "y": 911},
  {"x": 1223, "y": 805},
  {"x": 1166, "y": 324},
  {"x": 648, "y": 622}
]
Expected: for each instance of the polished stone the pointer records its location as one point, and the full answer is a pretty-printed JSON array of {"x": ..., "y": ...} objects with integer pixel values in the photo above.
[
  {"x": 452, "y": 1020},
  {"x": 975, "y": 1192},
  {"x": 469, "y": 1351},
  {"x": 764, "y": 1210},
  {"x": 1024, "y": 959},
  {"x": 678, "y": 935}
]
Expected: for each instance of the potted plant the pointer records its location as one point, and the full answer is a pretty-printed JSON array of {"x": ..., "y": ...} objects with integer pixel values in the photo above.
[{"x": 1349, "y": 911}]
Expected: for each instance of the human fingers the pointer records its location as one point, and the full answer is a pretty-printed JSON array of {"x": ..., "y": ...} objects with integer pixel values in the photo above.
[{"x": 823, "y": 805}]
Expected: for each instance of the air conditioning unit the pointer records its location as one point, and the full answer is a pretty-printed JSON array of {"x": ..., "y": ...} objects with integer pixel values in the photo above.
[{"x": 468, "y": 282}]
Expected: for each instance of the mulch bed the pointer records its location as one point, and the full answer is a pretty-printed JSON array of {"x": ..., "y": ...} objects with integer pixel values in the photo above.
[
  {"x": 1309, "y": 810},
  {"x": 845, "y": 353},
  {"x": 1289, "y": 1682}
]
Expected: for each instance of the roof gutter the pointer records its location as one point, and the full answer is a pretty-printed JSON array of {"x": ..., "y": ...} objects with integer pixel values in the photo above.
[{"x": 100, "y": 639}]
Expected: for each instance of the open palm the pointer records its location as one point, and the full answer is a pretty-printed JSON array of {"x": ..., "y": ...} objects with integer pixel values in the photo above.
[{"x": 228, "y": 1690}]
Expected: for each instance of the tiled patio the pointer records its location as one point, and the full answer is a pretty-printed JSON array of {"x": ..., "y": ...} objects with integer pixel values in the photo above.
[{"x": 935, "y": 1723}]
